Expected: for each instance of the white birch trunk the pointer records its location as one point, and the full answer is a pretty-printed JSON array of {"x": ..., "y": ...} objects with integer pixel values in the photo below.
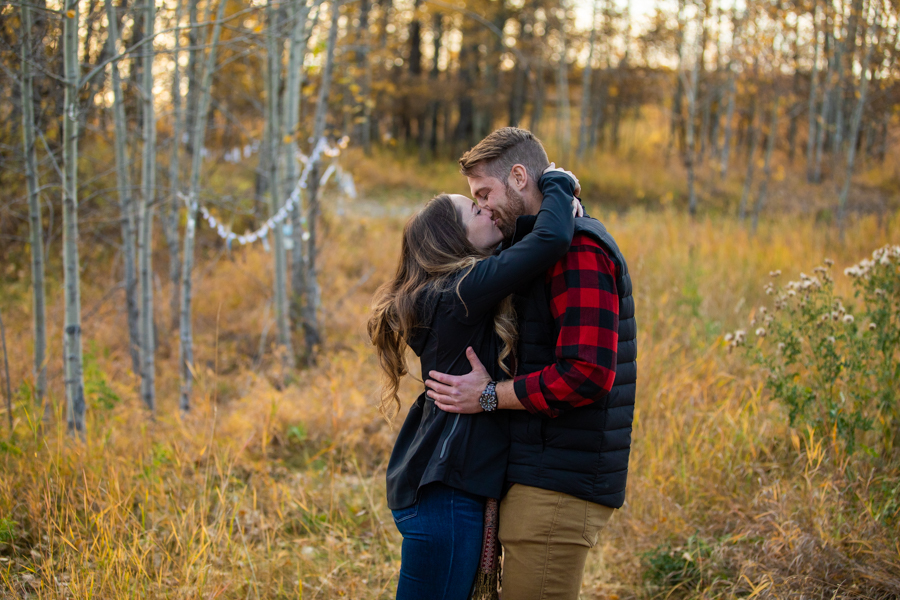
[
  {"x": 34, "y": 220},
  {"x": 767, "y": 166},
  {"x": 690, "y": 153},
  {"x": 584, "y": 129},
  {"x": 186, "y": 334},
  {"x": 311, "y": 326},
  {"x": 170, "y": 225},
  {"x": 275, "y": 46},
  {"x": 855, "y": 125},
  {"x": 145, "y": 237},
  {"x": 126, "y": 204},
  {"x": 291, "y": 105},
  {"x": 813, "y": 93},
  {"x": 562, "y": 90},
  {"x": 74, "y": 371},
  {"x": 732, "y": 95},
  {"x": 748, "y": 179}
]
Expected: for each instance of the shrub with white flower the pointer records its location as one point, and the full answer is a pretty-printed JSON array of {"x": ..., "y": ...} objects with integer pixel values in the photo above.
[{"x": 835, "y": 363}]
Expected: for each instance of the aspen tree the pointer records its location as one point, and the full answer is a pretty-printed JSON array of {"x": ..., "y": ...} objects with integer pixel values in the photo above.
[
  {"x": 300, "y": 32},
  {"x": 751, "y": 162},
  {"x": 126, "y": 203},
  {"x": 274, "y": 49},
  {"x": 145, "y": 234},
  {"x": 690, "y": 152},
  {"x": 34, "y": 219},
  {"x": 564, "y": 126},
  {"x": 855, "y": 123},
  {"x": 186, "y": 334},
  {"x": 813, "y": 91},
  {"x": 170, "y": 218},
  {"x": 72, "y": 351},
  {"x": 732, "y": 94},
  {"x": 770, "y": 150},
  {"x": 311, "y": 327},
  {"x": 584, "y": 129}
]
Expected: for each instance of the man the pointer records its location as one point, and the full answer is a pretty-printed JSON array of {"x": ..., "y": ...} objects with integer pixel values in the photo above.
[{"x": 573, "y": 396}]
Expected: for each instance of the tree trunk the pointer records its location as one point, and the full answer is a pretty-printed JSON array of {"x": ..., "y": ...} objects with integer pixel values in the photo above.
[
  {"x": 186, "y": 335},
  {"x": 562, "y": 91},
  {"x": 170, "y": 223},
  {"x": 676, "y": 123},
  {"x": 74, "y": 371},
  {"x": 585, "y": 112},
  {"x": 854, "y": 127},
  {"x": 732, "y": 95},
  {"x": 823, "y": 126},
  {"x": 690, "y": 152},
  {"x": 311, "y": 326},
  {"x": 748, "y": 179},
  {"x": 274, "y": 135},
  {"x": 194, "y": 58},
  {"x": 364, "y": 128},
  {"x": 767, "y": 168},
  {"x": 36, "y": 228},
  {"x": 813, "y": 91},
  {"x": 145, "y": 237},
  {"x": 291, "y": 105},
  {"x": 126, "y": 204}
]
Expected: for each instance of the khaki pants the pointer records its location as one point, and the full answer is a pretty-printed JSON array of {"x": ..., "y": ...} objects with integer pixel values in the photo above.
[{"x": 546, "y": 536}]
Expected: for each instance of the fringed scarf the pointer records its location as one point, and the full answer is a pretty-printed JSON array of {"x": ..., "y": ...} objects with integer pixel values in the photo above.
[{"x": 488, "y": 579}]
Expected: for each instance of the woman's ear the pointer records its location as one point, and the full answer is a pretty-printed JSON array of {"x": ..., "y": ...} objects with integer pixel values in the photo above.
[{"x": 518, "y": 177}]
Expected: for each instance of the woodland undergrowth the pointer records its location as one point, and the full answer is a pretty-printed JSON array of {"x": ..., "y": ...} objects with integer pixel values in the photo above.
[{"x": 273, "y": 486}]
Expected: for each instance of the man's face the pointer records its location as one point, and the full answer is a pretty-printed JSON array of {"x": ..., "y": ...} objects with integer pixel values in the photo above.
[{"x": 504, "y": 202}]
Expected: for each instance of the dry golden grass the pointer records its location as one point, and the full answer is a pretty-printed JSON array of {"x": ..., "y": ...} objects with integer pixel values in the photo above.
[{"x": 273, "y": 486}]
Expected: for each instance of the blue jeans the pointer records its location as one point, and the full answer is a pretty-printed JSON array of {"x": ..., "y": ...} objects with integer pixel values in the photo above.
[{"x": 442, "y": 535}]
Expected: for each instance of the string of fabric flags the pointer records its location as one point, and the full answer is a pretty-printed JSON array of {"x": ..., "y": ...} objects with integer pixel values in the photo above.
[{"x": 321, "y": 148}]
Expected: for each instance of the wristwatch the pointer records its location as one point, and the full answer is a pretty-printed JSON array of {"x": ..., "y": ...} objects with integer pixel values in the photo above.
[{"x": 488, "y": 399}]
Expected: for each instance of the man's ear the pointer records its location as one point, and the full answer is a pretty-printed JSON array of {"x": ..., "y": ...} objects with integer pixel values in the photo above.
[{"x": 518, "y": 177}]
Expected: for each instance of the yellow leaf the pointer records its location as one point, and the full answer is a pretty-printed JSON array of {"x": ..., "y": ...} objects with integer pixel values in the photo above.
[{"x": 70, "y": 13}]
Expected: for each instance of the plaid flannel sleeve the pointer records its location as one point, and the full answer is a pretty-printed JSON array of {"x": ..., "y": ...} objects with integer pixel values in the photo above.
[{"x": 585, "y": 306}]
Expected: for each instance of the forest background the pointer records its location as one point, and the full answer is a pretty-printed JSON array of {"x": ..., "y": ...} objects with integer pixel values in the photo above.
[{"x": 200, "y": 198}]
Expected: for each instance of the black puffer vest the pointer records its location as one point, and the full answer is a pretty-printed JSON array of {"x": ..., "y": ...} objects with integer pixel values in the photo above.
[{"x": 583, "y": 452}]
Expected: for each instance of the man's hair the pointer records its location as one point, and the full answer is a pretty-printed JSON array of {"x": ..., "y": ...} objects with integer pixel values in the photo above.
[{"x": 495, "y": 155}]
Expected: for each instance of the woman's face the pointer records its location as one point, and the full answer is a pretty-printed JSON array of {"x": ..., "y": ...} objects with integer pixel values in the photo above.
[{"x": 480, "y": 229}]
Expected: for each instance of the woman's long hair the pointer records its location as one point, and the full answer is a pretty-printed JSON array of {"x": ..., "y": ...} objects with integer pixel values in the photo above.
[{"x": 433, "y": 250}]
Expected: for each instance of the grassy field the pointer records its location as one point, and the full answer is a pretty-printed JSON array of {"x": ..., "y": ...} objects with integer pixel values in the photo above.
[{"x": 273, "y": 485}]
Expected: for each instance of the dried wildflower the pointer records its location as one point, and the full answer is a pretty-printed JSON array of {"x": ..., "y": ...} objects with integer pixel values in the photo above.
[
  {"x": 781, "y": 346},
  {"x": 776, "y": 273},
  {"x": 825, "y": 317},
  {"x": 729, "y": 337},
  {"x": 761, "y": 332},
  {"x": 828, "y": 262},
  {"x": 830, "y": 339},
  {"x": 762, "y": 309},
  {"x": 791, "y": 293},
  {"x": 848, "y": 319},
  {"x": 871, "y": 326},
  {"x": 879, "y": 292}
]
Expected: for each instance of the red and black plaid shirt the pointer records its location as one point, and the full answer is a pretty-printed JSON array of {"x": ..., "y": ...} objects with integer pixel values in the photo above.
[{"x": 585, "y": 307}]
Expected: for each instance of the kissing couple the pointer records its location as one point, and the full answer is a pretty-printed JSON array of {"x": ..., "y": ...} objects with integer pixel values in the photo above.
[{"x": 519, "y": 308}]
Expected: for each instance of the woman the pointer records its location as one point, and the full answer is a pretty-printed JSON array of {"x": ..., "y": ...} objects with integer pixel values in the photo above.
[{"x": 451, "y": 292}]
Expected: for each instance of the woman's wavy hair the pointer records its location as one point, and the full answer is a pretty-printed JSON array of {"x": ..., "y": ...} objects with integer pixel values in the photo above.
[{"x": 434, "y": 249}]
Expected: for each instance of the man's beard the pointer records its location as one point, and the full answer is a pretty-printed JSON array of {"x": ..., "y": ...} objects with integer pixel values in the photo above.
[{"x": 506, "y": 217}]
